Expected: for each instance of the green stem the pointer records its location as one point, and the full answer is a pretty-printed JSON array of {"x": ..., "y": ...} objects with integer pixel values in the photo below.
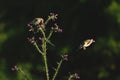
[
  {"x": 43, "y": 33},
  {"x": 70, "y": 77},
  {"x": 26, "y": 77},
  {"x": 38, "y": 48},
  {"x": 57, "y": 70},
  {"x": 47, "y": 20},
  {"x": 45, "y": 59},
  {"x": 50, "y": 34},
  {"x": 46, "y": 66},
  {"x": 44, "y": 47}
]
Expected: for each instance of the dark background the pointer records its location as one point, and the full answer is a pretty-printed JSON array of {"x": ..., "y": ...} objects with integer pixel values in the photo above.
[{"x": 80, "y": 20}]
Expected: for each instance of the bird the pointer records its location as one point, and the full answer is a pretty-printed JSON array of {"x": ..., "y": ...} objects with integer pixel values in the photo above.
[{"x": 86, "y": 43}]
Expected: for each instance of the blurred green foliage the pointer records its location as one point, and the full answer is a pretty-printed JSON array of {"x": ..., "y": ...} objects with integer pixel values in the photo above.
[
  {"x": 114, "y": 9},
  {"x": 80, "y": 20}
]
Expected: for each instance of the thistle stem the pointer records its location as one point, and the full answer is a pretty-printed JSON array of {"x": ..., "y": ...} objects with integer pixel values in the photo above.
[
  {"x": 26, "y": 77},
  {"x": 38, "y": 48},
  {"x": 46, "y": 66},
  {"x": 47, "y": 20},
  {"x": 50, "y": 34},
  {"x": 44, "y": 48},
  {"x": 57, "y": 70},
  {"x": 70, "y": 77},
  {"x": 45, "y": 60}
]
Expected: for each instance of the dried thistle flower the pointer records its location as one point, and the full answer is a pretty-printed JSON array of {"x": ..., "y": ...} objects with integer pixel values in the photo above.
[
  {"x": 53, "y": 16},
  {"x": 65, "y": 57},
  {"x": 56, "y": 28},
  {"x": 36, "y": 24},
  {"x": 15, "y": 68},
  {"x": 38, "y": 21},
  {"x": 74, "y": 76},
  {"x": 31, "y": 40}
]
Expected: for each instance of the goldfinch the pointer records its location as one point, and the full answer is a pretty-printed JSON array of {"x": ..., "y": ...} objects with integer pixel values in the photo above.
[{"x": 86, "y": 43}]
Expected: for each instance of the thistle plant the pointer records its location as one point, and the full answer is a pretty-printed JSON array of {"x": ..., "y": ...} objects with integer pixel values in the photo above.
[
  {"x": 39, "y": 27},
  {"x": 16, "y": 68}
]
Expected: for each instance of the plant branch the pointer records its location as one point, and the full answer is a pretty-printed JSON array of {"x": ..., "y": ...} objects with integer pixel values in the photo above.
[
  {"x": 46, "y": 66},
  {"x": 50, "y": 34},
  {"x": 26, "y": 77},
  {"x": 57, "y": 70},
  {"x": 44, "y": 48},
  {"x": 70, "y": 77},
  {"x": 38, "y": 48},
  {"x": 47, "y": 20}
]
